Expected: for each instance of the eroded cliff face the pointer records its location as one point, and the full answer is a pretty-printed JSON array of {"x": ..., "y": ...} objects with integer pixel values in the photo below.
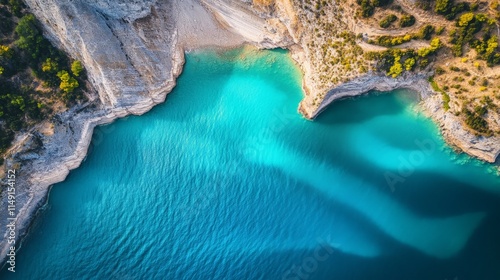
[
  {"x": 133, "y": 51},
  {"x": 129, "y": 10},
  {"x": 268, "y": 26},
  {"x": 126, "y": 46}
]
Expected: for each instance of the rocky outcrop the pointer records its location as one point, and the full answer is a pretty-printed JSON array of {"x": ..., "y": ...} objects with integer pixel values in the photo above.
[
  {"x": 128, "y": 58},
  {"x": 133, "y": 51},
  {"x": 131, "y": 63},
  {"x": 452, "y": 128},
  {"x": 456, "y": 134},
  {"x": 266, "y": 28},
  {"x": 361, "y": 85}
]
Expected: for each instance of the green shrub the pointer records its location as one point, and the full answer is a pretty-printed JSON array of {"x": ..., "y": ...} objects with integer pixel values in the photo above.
[
  {"x": 435, "y": 45},
  {"x": 475, "y": 121},
  {"x": 487, "y": 48},
  {"x": 440, "y": 71},
  {"x": 30, "y": 38},
  {"x": 443, "y": 7},
  {"x": 381, "y": 3},
  {"x": 423, "y": 62},
  {"x": 76, "y": 68},
  {"x": 15, "y": 6},
  {"x": 367, "y": 8},
  {"x": 384, "y": 59},
  {"x": 465, "y": 19},
  {"x": 449, "y": 10},
  {"x": 68, "y": 83},
  {"x": 446, "y": 101},
  {"x": 409, "y": 63},
  {"x": 388, "y": 20},
  {"x": 6, "y": 52},
  {"x": 426, "y": 32},
  {"x": 397, "y": 68},
  {"x": 468, "y": 25},
  {"x": 406, "y": 21},
  {"x": 50, "y": 65},
  {"x": 389, "y": 41},
  {"x": 444, "y": 95},
  {"x": 25, "y": 55}
]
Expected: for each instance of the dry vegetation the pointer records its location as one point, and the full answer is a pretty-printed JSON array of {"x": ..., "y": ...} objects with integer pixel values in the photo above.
[
  {"x": 332, "y": 48},
  {"x": 263, "y": 3},
  {"x": 37, "y": 80},
  {"x": 458, "y": 41}
]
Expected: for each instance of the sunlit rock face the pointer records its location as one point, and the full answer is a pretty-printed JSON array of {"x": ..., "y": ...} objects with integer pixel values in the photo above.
[
  {"x": 130, "y": 48},
  {"x": 127, "y": 47},
  {"x": 132, "y": 51},
  {"x": 126, "y": 9}
]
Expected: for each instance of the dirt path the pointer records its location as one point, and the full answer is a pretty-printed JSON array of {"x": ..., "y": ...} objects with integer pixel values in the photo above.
[{"x": 422, "y": 18}]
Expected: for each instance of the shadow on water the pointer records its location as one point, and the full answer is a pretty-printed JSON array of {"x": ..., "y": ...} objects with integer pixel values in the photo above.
[
  {"x": 346, "y": 111},
  {"x": 444, "y": 196},
  {"x": 332, "y": 264}
]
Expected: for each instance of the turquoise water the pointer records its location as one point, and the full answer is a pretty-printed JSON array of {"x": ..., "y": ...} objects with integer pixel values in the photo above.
[{"x": 226, "y": 181}]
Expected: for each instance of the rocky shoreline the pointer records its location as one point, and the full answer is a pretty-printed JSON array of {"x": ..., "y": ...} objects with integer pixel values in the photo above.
[
  {"x": 453, "y": 131},
  {"x": 118, "y": 94},
  {"x": 52, "y": 166},
  {"x": 133, "y": 65}
]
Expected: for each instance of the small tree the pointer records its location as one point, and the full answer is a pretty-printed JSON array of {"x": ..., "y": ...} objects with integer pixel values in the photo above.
[
  {"x": 397, "y": 68},
  {"x": 30, "y": 38},
  {"x": 15, "y": 6},
  {"x": 367, "y": 8},
  {"x": 426, "y": 32},
  {"x": 68, "y": 83},
  {"x": 388, "y": 20},
  {"x": 443, "y": 7},
  {"x": 465, "y": 19},
  {"x": 409, "y": 63},
  {"x": 6, "y": 52},
  {"x": 76, "y": 68},
  {"x": 50, "y": 65},
  {"x": 18, "y": 102},
  {"x": 407, "y": 20}
]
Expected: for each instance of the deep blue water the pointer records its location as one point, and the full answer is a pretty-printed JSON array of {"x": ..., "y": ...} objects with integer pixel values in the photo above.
[{"x": 226, "y": 181}]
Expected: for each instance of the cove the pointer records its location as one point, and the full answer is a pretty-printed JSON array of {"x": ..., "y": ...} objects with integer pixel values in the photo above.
[{"x": 225, "y": 180}]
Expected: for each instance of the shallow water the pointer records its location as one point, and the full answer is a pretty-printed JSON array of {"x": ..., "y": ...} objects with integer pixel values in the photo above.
[{"x": 226, "y": 181}]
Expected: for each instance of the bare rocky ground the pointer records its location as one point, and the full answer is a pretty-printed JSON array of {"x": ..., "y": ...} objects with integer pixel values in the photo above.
[{"x": 134, "y": 50}]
